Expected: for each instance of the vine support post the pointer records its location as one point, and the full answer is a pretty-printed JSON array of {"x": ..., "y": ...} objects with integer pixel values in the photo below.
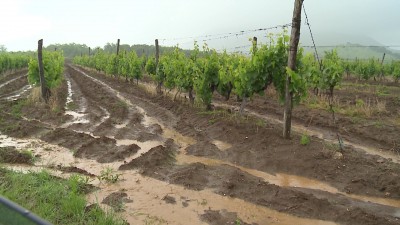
[
  {"x": 118, "y": 46},
  {"x": 89, "y": 51},
  {"x": 157, "y": 52},
  {"x": 44, "y": 89},
  {"x": 294, "y": 42},
  {"x": 383, "y": 58},
  {"x": 254, "y": 45},
  {"x": 158, "y": 89}
]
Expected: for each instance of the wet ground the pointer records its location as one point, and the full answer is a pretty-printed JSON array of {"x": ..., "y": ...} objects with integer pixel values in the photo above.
[{"x": 175, "y": 164}]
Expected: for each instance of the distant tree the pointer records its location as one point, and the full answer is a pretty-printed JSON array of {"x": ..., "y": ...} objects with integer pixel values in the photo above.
[
  {"x": 70, "y": 50},
  {"x": 3, "y": 48}
]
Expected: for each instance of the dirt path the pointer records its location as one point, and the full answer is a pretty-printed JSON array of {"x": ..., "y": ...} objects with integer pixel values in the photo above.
[{"x": 177, "y": 165}]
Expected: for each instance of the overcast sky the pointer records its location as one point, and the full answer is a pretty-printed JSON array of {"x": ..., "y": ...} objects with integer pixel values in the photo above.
[{"x": 96, "y": 22}]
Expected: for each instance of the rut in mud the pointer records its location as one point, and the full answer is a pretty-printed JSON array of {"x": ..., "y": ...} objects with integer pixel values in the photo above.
[{"x": 177, "y": 164}]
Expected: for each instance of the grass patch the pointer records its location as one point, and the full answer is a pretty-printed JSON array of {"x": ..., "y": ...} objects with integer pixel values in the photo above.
[
  {"x": 12, "y": 155},
  {"x": 71, "y": 106},
  {"x": 56, "y": 200},
  {"x": 122, "y": 104},
  {"x": 357, "y": 108},
  {"x": 382, "y": 91},
  {"x": 305, "y": 139},
  {"x": 16, "y": 109},
  {"x": 109, "y": 175}
]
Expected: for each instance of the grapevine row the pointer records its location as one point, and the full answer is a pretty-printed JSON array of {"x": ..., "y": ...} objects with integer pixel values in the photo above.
[
  {"x": 53, "y": 62},
  {"x": 12, "y": 61},
  {"x": 203, "y": 72}
]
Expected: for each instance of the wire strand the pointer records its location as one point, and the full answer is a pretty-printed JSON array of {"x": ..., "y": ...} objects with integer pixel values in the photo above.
[
  {"x": 312, "y": 37},
  {"x": 210, "y": 37}
]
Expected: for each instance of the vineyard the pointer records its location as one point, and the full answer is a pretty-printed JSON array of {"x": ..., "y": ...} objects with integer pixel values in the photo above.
[{"x": 125, "y": 136}]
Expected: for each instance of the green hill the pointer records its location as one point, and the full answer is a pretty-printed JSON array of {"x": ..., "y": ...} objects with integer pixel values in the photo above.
[{"x": 356, "y": 51}]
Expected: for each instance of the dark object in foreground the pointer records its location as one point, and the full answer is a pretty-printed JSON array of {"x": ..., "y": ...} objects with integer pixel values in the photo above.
[{"x": 13, "y": 214}]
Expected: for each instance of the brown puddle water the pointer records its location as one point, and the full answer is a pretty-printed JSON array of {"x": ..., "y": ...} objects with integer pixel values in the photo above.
[
  {"x": 223, "y": 146},
  {"x": 147, "y": 194}
]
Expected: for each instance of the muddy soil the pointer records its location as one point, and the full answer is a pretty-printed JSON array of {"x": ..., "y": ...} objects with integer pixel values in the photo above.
[
  {"x": 216, "y": 217},
  {"x": 116, "y": 200},
  {"x": 12, "y": 155},
  {"x": 378, "y": 130},
  {"x": 168, "y": 148}
]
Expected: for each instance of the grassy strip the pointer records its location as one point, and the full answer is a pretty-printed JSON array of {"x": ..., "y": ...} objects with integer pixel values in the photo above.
[{"x": 56, "y": 200}]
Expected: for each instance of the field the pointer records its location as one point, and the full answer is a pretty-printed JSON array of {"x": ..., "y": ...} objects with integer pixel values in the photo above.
[{"x": 154, "y": 160}]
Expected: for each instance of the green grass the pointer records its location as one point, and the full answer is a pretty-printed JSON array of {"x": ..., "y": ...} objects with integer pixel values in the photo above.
[
  {"x": 16, "y": 109},
  {"x": 71, "y": 106},
  {"x": 382, "y": 91},
  {"x": 54, "y": 199},
  {"x": 305, "y": 139},
  {"x": 109, "y": 175}
]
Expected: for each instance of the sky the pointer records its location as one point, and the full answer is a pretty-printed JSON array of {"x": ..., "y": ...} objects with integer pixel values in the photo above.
[{"x": 97, "y": 22}]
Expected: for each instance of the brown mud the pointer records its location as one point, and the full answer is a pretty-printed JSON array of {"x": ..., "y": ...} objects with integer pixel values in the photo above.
[{"x": 181, "y": 165}]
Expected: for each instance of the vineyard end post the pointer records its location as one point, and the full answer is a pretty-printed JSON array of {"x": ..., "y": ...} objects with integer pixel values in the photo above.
[
  {"x": 44, "y": 89},
  {"x": 118, "y": 46},
  {"x": 294, "y": 42}
]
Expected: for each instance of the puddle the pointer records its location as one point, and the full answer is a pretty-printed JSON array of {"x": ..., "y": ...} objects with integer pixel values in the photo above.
[
  {"x": 126, "y": 121},
  {"x": 286, "y": 180},
  {"x": 397, "y": 214},
  {"x": 147, "y": 193},
  {"x": 6, "y": 141},
  {"x": 69, "y": 97},
  {"x": 324, "y": 135},
  {"x": 223, "y": 146},
  {"x": 18, "y": 94},
  {"x": 106, "y": 116},
  {"x": 78, "y": 115},
  {"x": 78, "y": 118},
  {"x": 21, "y": 168},
  {"x": 372, "y": 151},
  {"x": 147, "y": 205}
]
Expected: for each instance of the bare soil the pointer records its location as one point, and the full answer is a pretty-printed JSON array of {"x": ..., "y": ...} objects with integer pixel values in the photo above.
[{"x": 178, "y": 144}]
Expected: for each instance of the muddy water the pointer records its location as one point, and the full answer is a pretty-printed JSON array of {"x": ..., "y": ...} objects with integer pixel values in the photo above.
[
  {"x": 223, "y": 146},
  {"x": 286, "y": 180},
  {"x": 148, "y": 206},
  {"x": 78, "y": 116},
  {"x": 147, "y": 193},
  {"x": 19, "y": 93}
]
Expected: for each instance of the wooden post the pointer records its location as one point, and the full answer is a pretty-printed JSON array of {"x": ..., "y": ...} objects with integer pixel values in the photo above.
[
  {"x": 294, "y": 42},
  {"x": 118, "y": 46},
  {"x": 157, "y": 52},
  {"x": 89, "y": 51},
  {"x": 254, "y": 45},
  {"x": 383, "y": 58},
  {"x": 158, "y": 89},
  {"x": 44, "y": 89}
]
